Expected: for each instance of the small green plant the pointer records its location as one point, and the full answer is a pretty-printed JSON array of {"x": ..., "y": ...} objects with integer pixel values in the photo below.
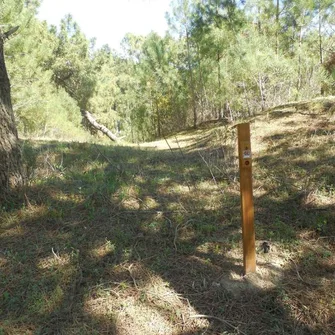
[
  {"x": 207, "y": 228},
  {"x": 327, "y": 254},
  {"x": 310, "y": 258},
  {"x": 321, "y": 225}
]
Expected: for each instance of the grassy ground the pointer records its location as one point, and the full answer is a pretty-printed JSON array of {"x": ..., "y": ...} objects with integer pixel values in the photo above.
[{"x": 147, "y": 239}]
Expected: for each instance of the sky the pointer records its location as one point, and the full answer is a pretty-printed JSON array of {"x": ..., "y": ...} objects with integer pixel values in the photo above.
[{"x": 109, "y": 20}]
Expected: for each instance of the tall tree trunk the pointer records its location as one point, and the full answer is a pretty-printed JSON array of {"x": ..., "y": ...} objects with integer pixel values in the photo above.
[
  {"x": 320, "y": 41},
  {"x": 195, "y": 116},
  {"x": 201, "y": 83},
  {"x": 220, "y": 116},
  {"x": 259, "y": 23},
  {"x": 277, "y": 27},
  {"x": 299, "y": 81},
  {"x": 11, "y": 171},
  {"x": 246, "y": 98},
  {"x": 261, "y": 85},
  {"x": 320, "y": 33},
  {"x": 159, "y": 126}
]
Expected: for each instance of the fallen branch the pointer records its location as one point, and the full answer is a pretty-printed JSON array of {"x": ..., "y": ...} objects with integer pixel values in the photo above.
[
  {"x": 131, "y": 275},
  {"x": 56, "y": 256},
  {"x": 7, "y": 34},
  {"x": 97, "y": 126}
]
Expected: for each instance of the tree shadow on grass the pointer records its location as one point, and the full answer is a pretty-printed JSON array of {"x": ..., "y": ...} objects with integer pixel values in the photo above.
[
  {"x": 107, "y": 237},
  {"x": 299, "y": 175}
]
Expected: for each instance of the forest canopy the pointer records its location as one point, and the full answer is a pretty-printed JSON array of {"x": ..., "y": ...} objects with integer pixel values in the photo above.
[{"x": 220, "y": 59}]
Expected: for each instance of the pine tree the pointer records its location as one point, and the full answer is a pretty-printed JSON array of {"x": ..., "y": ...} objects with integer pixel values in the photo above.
[{"x": 11, "y": 172}]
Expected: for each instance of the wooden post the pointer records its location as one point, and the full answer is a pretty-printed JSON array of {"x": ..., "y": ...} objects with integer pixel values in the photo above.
[{"x": 247, "y": 204}]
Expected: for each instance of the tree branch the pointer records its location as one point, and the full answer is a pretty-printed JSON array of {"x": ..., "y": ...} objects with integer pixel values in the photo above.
[
  {"x": 11, "y": 31},
  {"x": 93, "y": 123}
]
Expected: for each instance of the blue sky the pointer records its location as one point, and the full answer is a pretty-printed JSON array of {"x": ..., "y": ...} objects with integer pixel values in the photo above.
[{"x": 109, "y": 20}]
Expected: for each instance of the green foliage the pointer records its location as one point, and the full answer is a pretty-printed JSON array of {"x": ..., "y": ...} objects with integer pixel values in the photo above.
[
  {"x": 220, "y": 59},
  {"x": 40, "y": 109},
  {"x": 71, "y": 64}
]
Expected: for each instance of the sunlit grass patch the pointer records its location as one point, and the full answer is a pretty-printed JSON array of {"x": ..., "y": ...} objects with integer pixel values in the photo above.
[
  {"x": 107, "y": 248},
  {"x": 143, "y": 304}
]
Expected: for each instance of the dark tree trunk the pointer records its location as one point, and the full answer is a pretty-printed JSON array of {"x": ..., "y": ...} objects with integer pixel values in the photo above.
[{"x": 11, "y": 172}]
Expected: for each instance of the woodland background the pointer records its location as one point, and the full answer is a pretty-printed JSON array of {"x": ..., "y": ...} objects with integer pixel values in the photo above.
[{"x": 220, "y": 59}]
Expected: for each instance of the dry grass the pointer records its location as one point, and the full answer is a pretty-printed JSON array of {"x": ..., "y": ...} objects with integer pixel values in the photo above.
[{"x": 147, "y": 240}]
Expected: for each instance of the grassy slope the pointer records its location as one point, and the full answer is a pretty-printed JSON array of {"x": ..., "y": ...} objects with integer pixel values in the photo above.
[{"x": 147, "y": 240}]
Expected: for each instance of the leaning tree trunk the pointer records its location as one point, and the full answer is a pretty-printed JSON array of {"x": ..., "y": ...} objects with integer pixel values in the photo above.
[
  {"x": 10, "y": 154},
  {"x": 92, "y": 124}
]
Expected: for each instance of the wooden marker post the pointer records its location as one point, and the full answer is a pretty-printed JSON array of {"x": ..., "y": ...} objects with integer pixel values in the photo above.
[{"x": 247, "y": 204}]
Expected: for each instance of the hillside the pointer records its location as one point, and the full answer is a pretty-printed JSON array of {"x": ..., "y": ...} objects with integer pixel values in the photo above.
[{"x": 146, "y": 239}]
